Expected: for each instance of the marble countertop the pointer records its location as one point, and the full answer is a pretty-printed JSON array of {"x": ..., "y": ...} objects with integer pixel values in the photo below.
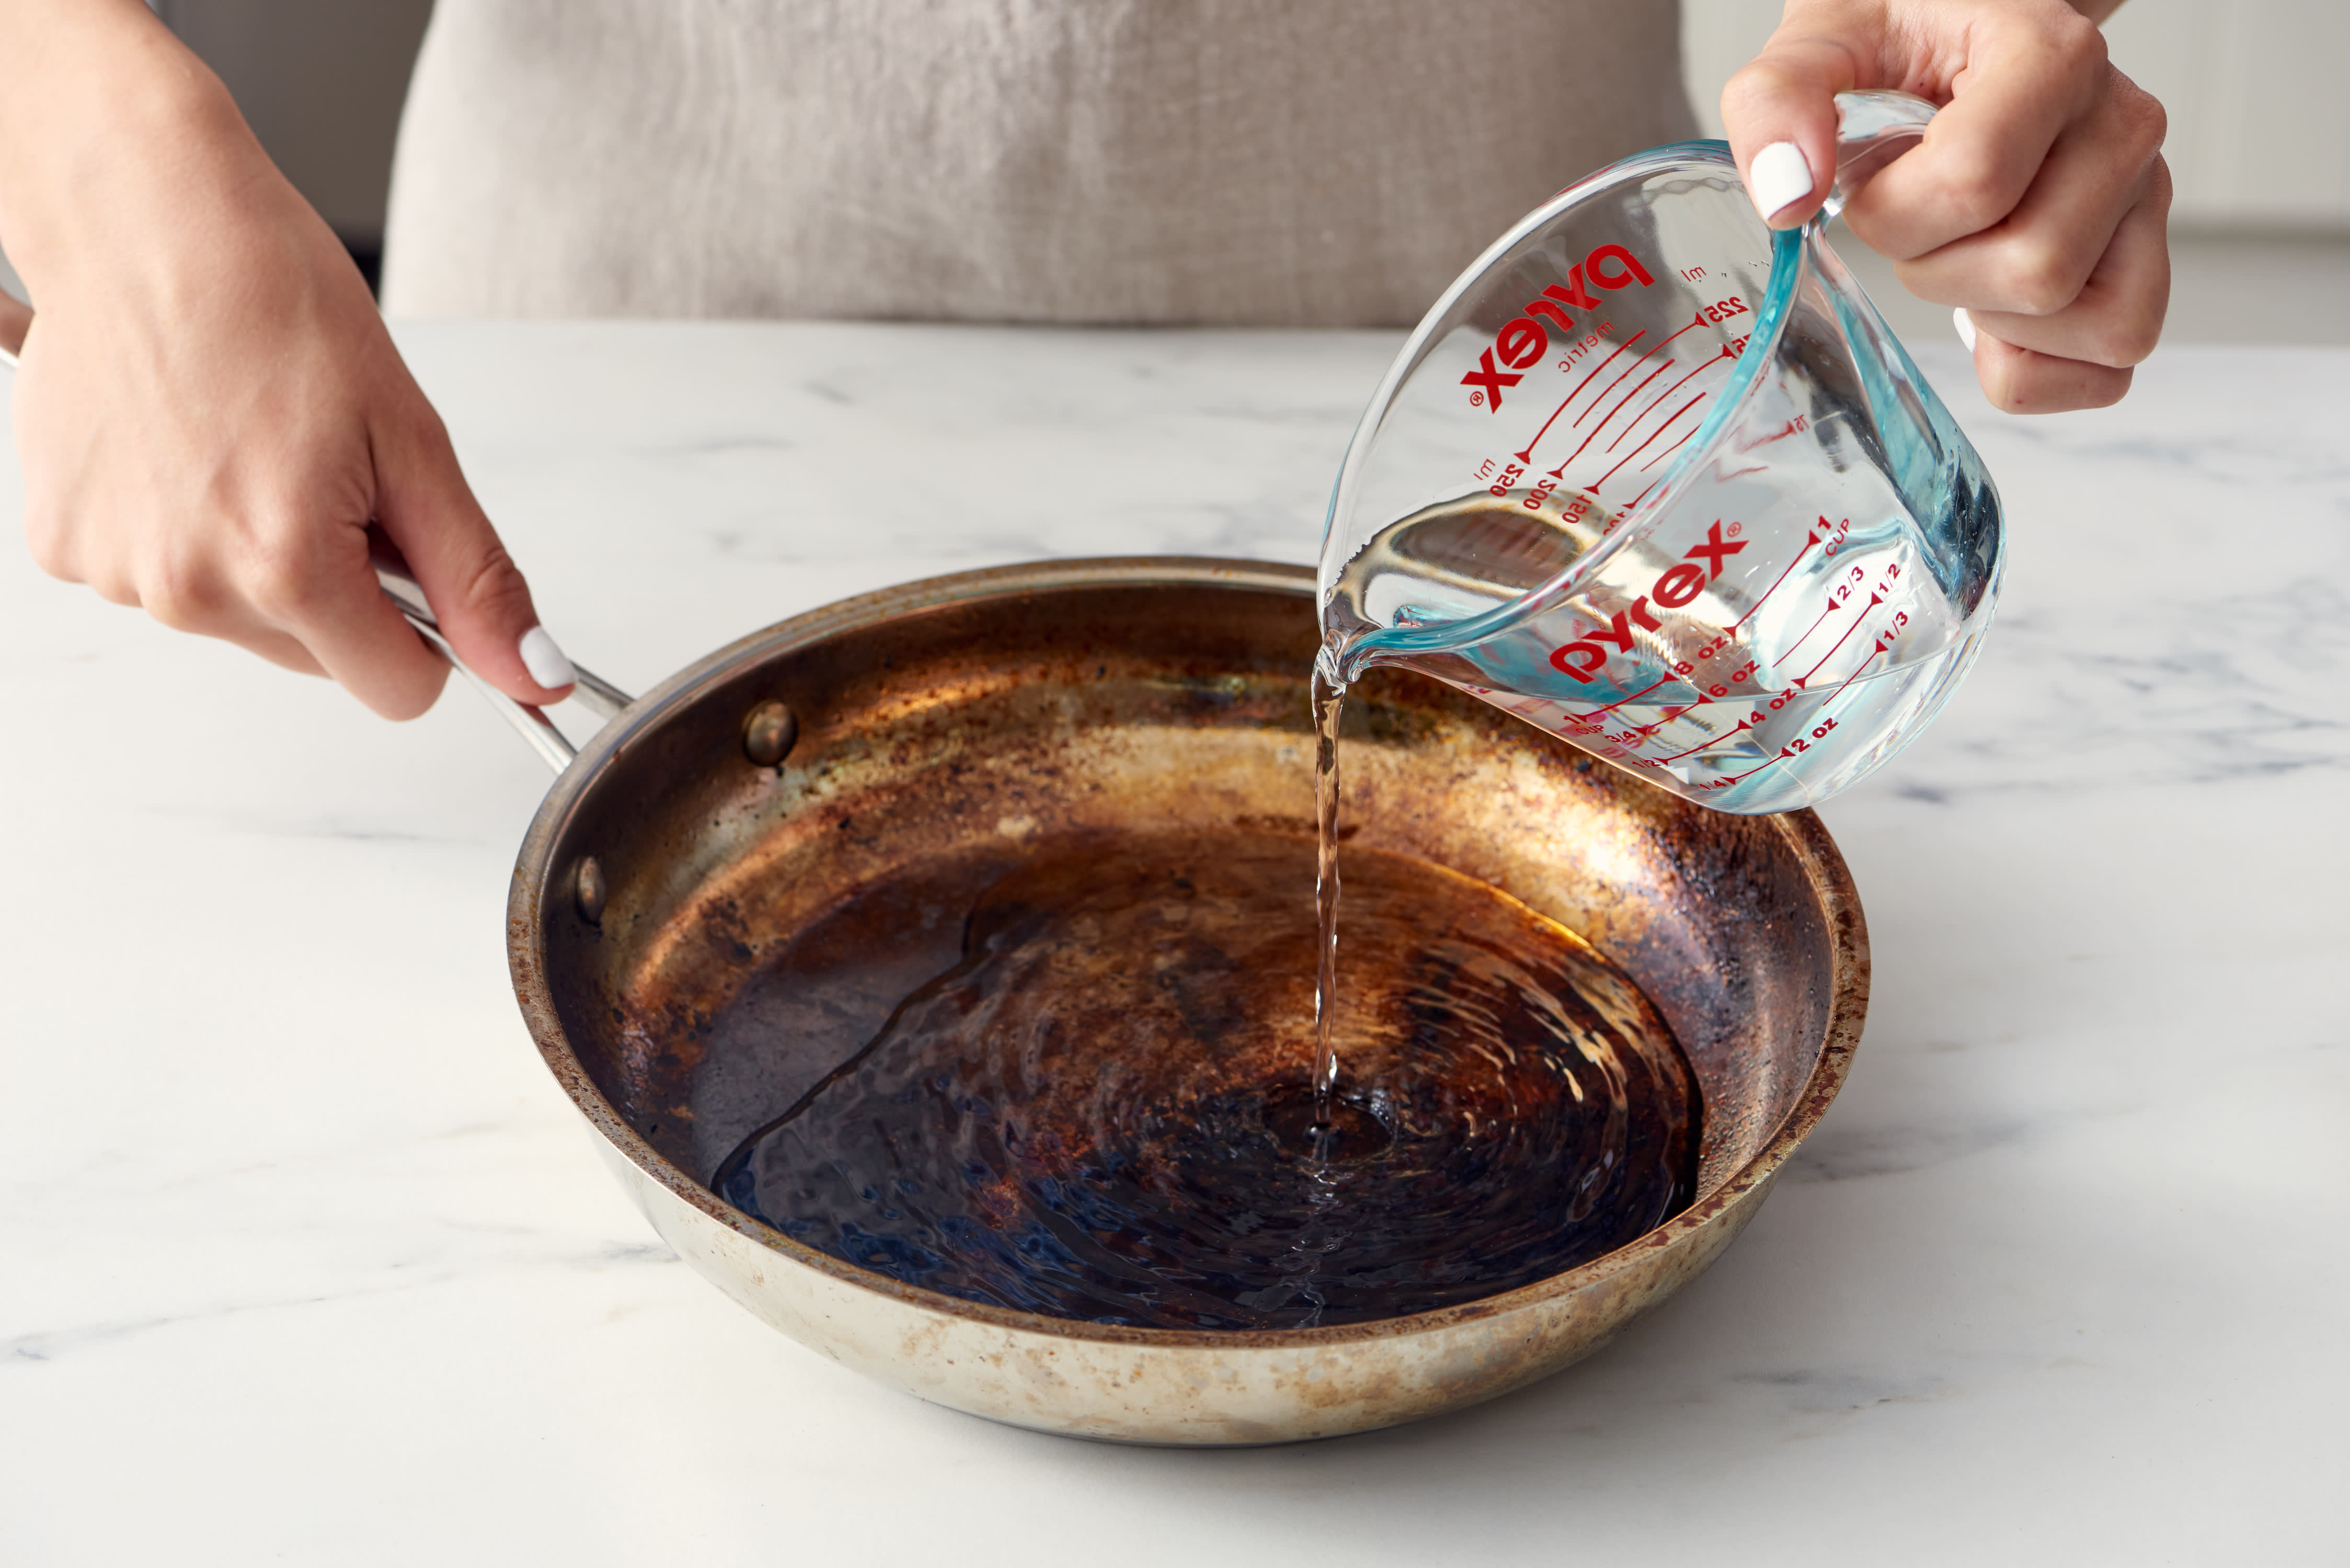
[{"x": 308, "y": 1260}]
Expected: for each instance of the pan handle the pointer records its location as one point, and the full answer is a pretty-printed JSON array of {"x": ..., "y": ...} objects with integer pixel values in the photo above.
[{"x": 593, "y": 693}]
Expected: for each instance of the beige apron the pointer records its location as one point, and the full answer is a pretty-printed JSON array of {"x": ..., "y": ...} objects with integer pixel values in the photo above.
[{"x": 1298, "y": 162}]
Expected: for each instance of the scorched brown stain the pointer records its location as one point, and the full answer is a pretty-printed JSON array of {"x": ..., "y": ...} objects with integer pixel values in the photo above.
[{"x": 1104, "y": 1109}]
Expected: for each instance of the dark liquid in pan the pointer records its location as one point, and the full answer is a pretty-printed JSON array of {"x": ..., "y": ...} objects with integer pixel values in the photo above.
[{"x": 1107, "y": 1109}]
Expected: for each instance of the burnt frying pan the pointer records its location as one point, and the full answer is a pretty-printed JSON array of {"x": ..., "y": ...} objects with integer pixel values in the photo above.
[{"x": 955, "y": 721}]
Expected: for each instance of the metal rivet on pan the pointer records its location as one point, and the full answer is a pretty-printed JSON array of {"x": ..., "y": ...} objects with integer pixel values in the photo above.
[
  {"x": 588, "y": 889},
  {"x": 768, "y": 734}
]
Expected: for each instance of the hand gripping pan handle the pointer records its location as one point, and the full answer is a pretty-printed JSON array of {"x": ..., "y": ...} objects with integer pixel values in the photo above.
[{"x": 595, "y": 694}]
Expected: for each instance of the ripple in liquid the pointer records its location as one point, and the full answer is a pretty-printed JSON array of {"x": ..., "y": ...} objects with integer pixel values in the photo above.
[{"x": 1106, "y": 1111}]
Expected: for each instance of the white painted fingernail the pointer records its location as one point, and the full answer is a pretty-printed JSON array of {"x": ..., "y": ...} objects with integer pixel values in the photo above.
[
  {"x": 544, "y": 661},
  {"x": 1966, "y": 325},
  {"x": 1780, "y": 177}
]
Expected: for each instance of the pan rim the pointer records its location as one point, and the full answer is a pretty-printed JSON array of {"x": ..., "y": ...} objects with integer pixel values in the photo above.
[{"x": 533, "y": 891}]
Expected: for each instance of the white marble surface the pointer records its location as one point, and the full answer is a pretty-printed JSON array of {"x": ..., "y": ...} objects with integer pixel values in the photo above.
[{"x": 307, "y": 1260}]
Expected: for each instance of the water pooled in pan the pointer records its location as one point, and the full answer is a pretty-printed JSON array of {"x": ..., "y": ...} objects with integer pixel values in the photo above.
[{"x": 1107, "y": 1110}]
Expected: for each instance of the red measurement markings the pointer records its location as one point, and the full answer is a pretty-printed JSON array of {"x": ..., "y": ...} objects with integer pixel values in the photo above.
[
  {"x": 1666, "y": 453},
  {"x": 1528, "y": 455},
  {"x": 1662, "y": 720},
  {"x": 1750, "y": 772},
  {"x": 1810, "y": 539},
  {"x": 1690, "y": 328},
  {"x": 1602, "y": 425},
  {"x": 1604, "y": 391},
  {"x": 1836, "y": 690},
  {"x": 1833, "y": 607},
  {"x": 1635, "y": 365},
  {"x": 1716, "y": 740},
  {"x": 1702, "y": 366},
  {"x": 1560, "y": 471},
  {"x": 1885, "y": 641},
  {"x": 1633, "y": 504},
  {"x": 1643, "y": 691},
  {"x": 1873, "y": 601},
  {"x": 1644, "y": 446},
  {"x": 1628, "y": 398}
]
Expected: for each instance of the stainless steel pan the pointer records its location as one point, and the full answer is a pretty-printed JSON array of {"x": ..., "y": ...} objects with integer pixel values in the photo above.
[{"x": 958, "y": 719}]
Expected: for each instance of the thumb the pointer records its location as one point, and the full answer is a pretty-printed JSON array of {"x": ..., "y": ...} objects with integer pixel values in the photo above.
[
  {"x": 476, "y": 592},
  {"x": 1779, "y": 110}
]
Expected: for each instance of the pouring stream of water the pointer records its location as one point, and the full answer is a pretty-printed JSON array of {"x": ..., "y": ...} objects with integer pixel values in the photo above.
[{"x": 1329, "y": 697}]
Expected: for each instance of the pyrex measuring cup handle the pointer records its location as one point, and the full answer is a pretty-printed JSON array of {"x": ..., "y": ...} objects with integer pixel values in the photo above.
[
  {"x": 1872, "y": 128},
  {"x": 598, "y": 696}
]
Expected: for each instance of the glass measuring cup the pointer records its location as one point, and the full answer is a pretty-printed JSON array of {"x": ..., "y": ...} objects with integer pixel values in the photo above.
[{"x": 1663, "y": 483}]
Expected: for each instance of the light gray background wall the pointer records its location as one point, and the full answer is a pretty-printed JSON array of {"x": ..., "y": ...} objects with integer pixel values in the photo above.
[
  {"x": 2260, "y": 133},
  {"x": 320, "y": 82}
]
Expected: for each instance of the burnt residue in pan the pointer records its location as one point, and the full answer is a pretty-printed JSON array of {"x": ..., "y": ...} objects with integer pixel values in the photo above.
[{"x": 1102, "y": 1110}]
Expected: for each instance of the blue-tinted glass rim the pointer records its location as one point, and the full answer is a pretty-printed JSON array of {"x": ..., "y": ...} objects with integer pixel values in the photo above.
[{"x": 1787, "y": 269}]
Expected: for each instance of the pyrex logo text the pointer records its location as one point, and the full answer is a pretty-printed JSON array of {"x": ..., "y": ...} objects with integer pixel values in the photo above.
[
  {"x": 1522, "y": 340},
  {"x": 1680, "y": 584}
]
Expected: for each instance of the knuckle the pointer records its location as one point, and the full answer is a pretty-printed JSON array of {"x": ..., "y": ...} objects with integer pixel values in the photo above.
[
  {"x": 1755, "y": 83},
  {"x": 284, "y": 580},
  {"x": 1976, "y": 191},
  {"x": 2040, "y": 280},
  {"x": 182, "y": 598},
  {"x": 171, "y": 611},
  {"x": 428, "y": 433},
  {"x": 50, "y": 540},
  {"x": 494, "y": 588},
  {"x": 1771, "y": 88},
  {"x": 2123, "y": 344},
  {"x": 2075, "y": 43},
  {"x": 2143, "y": 117}
]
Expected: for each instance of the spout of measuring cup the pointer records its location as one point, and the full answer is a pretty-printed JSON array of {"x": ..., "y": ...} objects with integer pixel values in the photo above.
[{"x": 1872, "y": 128}]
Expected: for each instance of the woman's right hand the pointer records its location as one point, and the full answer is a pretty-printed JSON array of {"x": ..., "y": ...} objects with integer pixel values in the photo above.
[
  {"x": 209, "y": 412},
  {"x": 2036, "y": 201}
]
